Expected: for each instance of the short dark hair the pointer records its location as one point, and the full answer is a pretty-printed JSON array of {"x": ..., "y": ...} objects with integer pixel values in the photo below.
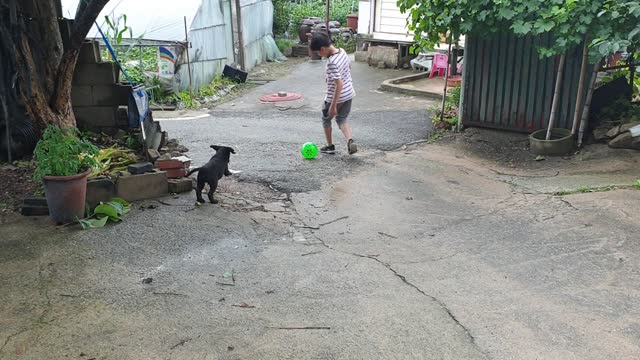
[{"x": 319, "y": 40}]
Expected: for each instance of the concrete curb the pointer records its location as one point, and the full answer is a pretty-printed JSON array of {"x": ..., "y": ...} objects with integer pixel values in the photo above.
[{"x": 392, "y": 85}]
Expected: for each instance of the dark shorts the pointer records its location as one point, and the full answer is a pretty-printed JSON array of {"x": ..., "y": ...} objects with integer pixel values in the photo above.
[{"x": 343, "y": 113}]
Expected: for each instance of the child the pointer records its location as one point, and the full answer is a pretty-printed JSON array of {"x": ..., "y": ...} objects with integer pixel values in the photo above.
[{"x": 340, "y": 92}]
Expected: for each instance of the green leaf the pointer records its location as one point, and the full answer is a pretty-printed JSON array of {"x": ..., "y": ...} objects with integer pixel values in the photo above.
[
  {"x": 108, "y": 210},
  {"x": 93, "y": 223}
]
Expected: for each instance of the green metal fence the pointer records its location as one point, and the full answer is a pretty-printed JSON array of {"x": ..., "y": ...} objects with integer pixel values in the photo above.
[{"x": 507, "y": 86}]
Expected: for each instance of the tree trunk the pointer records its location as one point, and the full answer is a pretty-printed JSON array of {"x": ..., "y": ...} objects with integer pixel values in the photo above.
[
  {"x": 556, "y": 96},
  {"x": 584, "y": 122},
  {"x": 43, "y": 66}
]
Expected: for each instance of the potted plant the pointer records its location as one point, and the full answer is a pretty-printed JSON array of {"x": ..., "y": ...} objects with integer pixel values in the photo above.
[{"x": 64, "y": 161}]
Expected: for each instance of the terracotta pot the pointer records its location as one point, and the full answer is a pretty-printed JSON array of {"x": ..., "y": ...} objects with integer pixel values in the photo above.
[
  {"x": 352, "y": 21},
  {"x": 454, "y": 81},
  {"x": 66, "y": 196}
]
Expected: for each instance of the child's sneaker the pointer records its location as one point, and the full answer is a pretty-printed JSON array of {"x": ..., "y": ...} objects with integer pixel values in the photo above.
[
  {"x": 352, "y": 147},
  {"x": 329, "y": 149}
]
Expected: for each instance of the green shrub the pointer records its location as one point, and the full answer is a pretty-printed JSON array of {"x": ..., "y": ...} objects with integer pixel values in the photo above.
[
  {"x": 284, "y": 44},
  {"x": 453, "y": 96},
  {"x": 61, "y": 152},
  {"x": 348, "y": 46}
]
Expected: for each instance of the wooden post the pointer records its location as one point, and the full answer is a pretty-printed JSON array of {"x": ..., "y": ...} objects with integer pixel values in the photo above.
[
  {"x": 632, "y": 74},
  {"x": 186, "y": 36},
  {"x": 556, "y": 96},
  {"x": 584, "y": 122},
  {"x": 446, "y": 79},
  {"x": 327, "y": 17},
  {"x": 583, "y": 75},
  {"x": 240, "y": 39}
]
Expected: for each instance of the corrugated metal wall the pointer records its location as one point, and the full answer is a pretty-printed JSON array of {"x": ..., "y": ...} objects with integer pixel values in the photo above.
[
  {"x": 211, "y": 43},
  {"x": 507, "y": 86},
  {"x": 257, "y": 25}
]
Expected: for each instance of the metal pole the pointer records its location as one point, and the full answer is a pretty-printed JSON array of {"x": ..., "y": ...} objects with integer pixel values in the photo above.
[
  {"x": 240, "y": 39},
  {"x": 141, "y": 60},
  {"x": 186, "y": 36}
]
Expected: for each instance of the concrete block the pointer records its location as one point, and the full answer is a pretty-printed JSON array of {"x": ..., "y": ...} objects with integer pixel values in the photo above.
[
  {"x": 81, "y": 95},
  {"x": 123, "y": 116},
  {"x": 146, "y": 186},
  {"x": 177, "y": 186},
  {"x": 34, "y": 210},
  {"x": 140, "y": 168},
  {"x": 100, "y": 190},
  {"x": 385, "y": 54},
  {"x": 35, "y": 201},
  {"x": 103, "y": 73},
  {"x": 96, "y": 116},
  {"x": 361, "y": 56},
  {"x": 110, "y": 95},
  {"x": 153, "y": 154},
  {"x": 89, "y": 53}
]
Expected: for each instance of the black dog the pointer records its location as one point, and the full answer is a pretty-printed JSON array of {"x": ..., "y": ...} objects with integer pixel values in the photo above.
[{"x": 213, "y": 171}]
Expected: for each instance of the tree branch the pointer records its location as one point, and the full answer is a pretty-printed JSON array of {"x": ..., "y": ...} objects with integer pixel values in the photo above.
[{"x": 86, "y": 15}]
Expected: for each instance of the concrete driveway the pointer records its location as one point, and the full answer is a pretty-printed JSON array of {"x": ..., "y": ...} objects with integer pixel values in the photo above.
[
  {"x": 419, "y": 253},
  {"x": 268, "y": 138}
]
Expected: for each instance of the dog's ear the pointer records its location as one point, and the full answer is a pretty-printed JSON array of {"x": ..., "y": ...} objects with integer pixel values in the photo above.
[
  {"x": 231, "y": 150},
  {"x": 215, "y": 147}
]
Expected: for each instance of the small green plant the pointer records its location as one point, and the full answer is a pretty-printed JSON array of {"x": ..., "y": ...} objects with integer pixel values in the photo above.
[
  {"x": 217, "y": 84},
  {"x": 636, "y": 185},
  {"x": 453, "y": 96},
  {"x": 61, "y": 152},
  {"x": 185, "y": 99},
  {"x": 284, "y": 44},
  {"x": 348, "y": 46},
  {"x": 113, "y": 210}
]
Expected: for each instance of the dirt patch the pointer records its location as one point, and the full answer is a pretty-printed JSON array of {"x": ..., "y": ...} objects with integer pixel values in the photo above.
[
  {"x": 17, "y": 183},
  {"x": 511, "y": 150}
]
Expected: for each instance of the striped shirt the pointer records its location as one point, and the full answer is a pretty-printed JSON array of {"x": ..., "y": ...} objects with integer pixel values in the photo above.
[{"x": 339, "y": 68}]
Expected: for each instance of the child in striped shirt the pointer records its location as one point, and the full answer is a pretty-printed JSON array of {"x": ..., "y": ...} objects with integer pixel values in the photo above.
[{"x": 340, "y": 92}]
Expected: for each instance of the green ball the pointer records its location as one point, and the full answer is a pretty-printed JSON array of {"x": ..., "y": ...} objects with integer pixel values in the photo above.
[{"x": 309, "y": 150}]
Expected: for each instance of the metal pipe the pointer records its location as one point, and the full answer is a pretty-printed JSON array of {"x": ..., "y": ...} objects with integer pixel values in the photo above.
[{"x": 446, "y": 79}]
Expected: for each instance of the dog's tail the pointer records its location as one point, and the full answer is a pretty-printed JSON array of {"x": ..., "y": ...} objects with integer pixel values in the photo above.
[{"x": 192, "y": 171}]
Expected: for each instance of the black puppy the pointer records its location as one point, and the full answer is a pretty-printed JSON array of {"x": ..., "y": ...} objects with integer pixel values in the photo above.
[{"x": 213, "y": 171}]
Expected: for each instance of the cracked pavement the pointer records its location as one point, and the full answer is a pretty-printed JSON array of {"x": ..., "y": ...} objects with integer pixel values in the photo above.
[{"x": 423, "y": 252}]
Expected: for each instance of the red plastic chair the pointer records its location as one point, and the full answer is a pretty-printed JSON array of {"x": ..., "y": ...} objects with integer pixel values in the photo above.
[{"x": 440, "y": 64}]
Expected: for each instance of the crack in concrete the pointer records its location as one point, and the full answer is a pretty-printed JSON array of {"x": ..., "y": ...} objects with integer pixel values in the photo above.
[
  {"x": 44, "y": 291},
  {"x": 11, "y": 337},
  {"x": 410, "y": 284}
]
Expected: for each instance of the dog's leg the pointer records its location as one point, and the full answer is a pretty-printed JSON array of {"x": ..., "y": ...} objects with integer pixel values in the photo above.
[
  {"x": 199, "y": 190},
  {"x": 226, "y": 171},
  {"x": 212, "y": 188}
]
